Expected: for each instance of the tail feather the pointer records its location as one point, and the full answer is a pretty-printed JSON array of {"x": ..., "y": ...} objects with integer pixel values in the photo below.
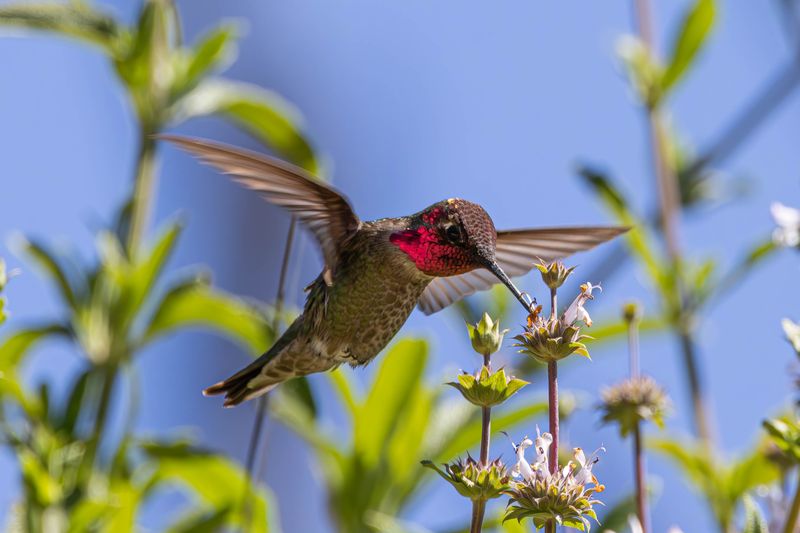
[{"x": 251, "y": 381}]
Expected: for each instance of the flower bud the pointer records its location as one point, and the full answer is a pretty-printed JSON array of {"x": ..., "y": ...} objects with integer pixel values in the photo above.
[
  {"x": 486, "y": 336},
  {"x": 553, "y": 274},
  {"x": 486, "y": 389},
  {"x": 631, "y": 312}
]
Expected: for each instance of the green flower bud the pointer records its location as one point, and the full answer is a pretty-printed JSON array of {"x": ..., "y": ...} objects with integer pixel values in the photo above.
[
  {"x": 631, "y": 312},
  {"x": 473, "y": 480},
  {"x": 486, "y": 336},
  {"x": 633, "y": 401},
  {"x": 553, "y": 274},
  {"x": 785, "y": 433},
  {"x": 486, "y": 389}
]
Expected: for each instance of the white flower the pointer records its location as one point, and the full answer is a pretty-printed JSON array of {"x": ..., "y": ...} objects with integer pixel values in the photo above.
[
  {"x": 523, "y": 468},
  {"x": 576, "y": 311},
  {"x": 788, "y": 221}
]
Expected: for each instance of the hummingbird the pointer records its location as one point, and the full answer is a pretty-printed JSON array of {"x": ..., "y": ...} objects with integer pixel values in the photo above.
[{"x": 375, "y": 272}]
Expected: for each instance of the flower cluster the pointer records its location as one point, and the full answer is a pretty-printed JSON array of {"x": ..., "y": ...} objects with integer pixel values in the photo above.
[
  {"x": 632, "y": 401},
  {"x": 565, "y": 496},
  {"x": 474, "y": 480},
  {"x": 487, "y": 389},
  {"x": 552, "y": 339}
]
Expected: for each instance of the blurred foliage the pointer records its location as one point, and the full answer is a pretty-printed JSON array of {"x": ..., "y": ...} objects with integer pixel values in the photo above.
[
  {"x": 75, "y": 475},
  {"x": 399, "y": 420}
]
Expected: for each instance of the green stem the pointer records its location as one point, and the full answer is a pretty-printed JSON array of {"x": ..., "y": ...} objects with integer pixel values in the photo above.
[
  {"x": 142, "y": 189},
  {"x": 794, "y": 511}
]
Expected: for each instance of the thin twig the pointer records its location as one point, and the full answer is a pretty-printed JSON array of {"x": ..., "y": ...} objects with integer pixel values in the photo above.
[{"x": 261, "y": 410}]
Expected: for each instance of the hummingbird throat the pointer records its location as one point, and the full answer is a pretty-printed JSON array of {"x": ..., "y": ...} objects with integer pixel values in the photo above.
[{"x": 424, "y": 246}]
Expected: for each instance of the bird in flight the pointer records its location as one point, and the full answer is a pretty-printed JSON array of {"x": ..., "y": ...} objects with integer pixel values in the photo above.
[{"x": 375, "y": 272}]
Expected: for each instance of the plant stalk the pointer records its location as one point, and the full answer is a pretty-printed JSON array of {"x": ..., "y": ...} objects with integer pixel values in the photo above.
[
  {"x": 142, "y": 190},
  {"x": 261, "y": 410},
  {"x": 641, "y": 480},
  {"x": 552, "y": 393},
  {"x": 479, "y": 506},
  {"x": 794, "y": 511},
  {"x": 670, "y": 208}
]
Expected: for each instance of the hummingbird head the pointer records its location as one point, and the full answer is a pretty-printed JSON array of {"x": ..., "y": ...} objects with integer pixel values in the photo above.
[{"x": 452, "y": 237}]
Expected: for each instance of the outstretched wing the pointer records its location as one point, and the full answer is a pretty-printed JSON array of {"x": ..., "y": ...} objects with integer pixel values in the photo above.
[
  {"x": 516, "y": 252},
  {"x": 324, "y": 210}
]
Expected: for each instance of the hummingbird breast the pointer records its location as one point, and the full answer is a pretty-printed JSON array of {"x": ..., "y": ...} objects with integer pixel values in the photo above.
[{"x": 375, "y": 288}]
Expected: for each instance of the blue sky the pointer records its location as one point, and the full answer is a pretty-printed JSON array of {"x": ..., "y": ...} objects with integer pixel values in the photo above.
[{"x": 411, "y": 102}]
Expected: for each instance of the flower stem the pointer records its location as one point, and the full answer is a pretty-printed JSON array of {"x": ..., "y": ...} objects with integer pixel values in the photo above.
[
  {"x": 261, "y": 410},
  {"x": 794, "y": 511},
  {"x": 670, "y": 210},
  {"x": 479, "y": 506},
  {"x": 641, "y": 481},
  {"x": 142, "y": 190},
  {"x": 552, "y": 398}
]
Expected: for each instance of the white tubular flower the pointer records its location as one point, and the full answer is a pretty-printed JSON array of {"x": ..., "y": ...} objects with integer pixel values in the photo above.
[
  {"x": 576, "y": 311},
  {"x": 522, "y": 468},
  {"x": 788, "y": 221}
]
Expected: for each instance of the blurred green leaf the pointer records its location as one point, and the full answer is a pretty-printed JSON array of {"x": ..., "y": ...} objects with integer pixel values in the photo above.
[
  {"x": 14, "y": 347},
  {"x": 261, "y": 112},
  {"x": 52, "y": 265},
  {"x": 74, "y": 403},
  {"x": 398, "y": 379},
  {"x": 694, "y": 31},
  {"x": 44, "y": 487},
  {"x": 196, "y": 304},
  {"x": 211, "y": 53},
  {"x": 213, "y": 479},
  {"x": 202, "y": 522},
  {"x": 644, "y": 70},
  {"x": 723, "y": 483},
  {"x": 753, "y": 518},
  {"x": 73, "y": 19}
]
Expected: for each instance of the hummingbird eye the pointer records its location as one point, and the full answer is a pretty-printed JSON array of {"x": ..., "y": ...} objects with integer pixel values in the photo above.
[{"x": 454, "y": 234}]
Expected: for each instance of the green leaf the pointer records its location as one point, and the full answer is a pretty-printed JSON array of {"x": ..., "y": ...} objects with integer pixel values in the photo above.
[
  {"x": 694, "y": 31},
  {"x": 74, "y": 19},
  {"x": 196, "y": 304},
  {"x": 211, "y": 53},
  {"x": 44, "y": 488},
  {"x": 753, "y": 518},
  {"x": 398, "y": 379},
  {"x": 51, "y": 264},
  {"x": 215, "y": 480},
  {"x": 14, "y": 347},
  {"x": 261, "y": 112},
  {"x": 73, "y": 408}
]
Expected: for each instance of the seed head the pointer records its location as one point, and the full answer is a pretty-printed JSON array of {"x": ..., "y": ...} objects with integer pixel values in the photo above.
[{"x": 632, "y": 401}]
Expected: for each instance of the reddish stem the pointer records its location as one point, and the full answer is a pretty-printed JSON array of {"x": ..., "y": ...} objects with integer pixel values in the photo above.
[
  {"x": 641, "y": 481},
  {"x": 552, "y": 397}
]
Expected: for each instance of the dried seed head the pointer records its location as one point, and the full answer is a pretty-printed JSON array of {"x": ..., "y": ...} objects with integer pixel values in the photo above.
[{"x": 633, "y": 401}]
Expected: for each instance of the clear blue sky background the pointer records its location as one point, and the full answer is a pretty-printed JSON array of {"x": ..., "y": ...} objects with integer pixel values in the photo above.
[{"x": 413, "y": 101}]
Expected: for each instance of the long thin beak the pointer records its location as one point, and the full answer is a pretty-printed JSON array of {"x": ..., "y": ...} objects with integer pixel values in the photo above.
[{"x": 495, "y": 269}]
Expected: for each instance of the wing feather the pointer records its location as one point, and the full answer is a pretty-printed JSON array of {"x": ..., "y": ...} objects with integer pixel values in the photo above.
[
  {"x": 516, "y": 252},
  {"x": 320, "y": 207}
]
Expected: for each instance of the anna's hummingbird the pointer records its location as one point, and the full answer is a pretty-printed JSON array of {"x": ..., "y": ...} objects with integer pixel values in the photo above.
[{"x": 376, "y": 271}]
